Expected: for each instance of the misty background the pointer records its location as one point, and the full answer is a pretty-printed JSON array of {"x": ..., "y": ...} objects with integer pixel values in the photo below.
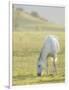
[{"x": 51, "y": 13}]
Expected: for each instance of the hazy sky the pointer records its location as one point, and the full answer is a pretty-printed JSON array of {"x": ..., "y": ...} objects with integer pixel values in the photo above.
[{"x": 53, "y": 14}]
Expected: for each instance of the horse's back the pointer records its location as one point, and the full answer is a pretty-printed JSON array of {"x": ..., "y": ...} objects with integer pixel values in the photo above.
[{"x": 51, "y": 44}]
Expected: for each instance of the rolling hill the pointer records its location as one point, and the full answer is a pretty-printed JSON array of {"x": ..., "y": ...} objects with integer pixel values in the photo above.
[{"x": 25, "y": 21}]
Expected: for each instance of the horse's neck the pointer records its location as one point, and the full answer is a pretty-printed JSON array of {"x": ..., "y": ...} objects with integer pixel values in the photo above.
[{"x": 43, "y": 56}]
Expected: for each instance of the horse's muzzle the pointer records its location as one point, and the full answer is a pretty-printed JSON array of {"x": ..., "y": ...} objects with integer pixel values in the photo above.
[{"x": 39, "y": 74}]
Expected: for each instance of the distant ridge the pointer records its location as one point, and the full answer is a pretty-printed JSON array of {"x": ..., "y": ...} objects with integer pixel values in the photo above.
[{"x": 24, "y": 21}]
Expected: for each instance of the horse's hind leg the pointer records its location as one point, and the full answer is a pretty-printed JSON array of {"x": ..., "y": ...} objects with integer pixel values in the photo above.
[{"x": 54, "y": 65}]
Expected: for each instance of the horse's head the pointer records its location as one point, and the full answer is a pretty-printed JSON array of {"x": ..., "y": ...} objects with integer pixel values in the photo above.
[{"x": 39, "y": 70}]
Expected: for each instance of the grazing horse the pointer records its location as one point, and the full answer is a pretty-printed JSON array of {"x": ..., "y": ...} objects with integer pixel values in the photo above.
[{"x": 50, "y": 49}]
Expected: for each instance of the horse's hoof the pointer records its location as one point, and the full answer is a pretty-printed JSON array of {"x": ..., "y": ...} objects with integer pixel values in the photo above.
[{"x": 51, "y": 75}]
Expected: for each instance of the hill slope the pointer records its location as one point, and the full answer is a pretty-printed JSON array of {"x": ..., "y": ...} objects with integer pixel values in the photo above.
[{"x": 25, "y": 21}]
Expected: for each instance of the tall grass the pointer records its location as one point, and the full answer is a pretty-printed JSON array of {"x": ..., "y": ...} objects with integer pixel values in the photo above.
[{"x": 26, "y": 49}]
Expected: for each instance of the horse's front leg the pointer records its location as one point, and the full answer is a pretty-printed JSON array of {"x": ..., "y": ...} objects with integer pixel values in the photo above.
[{"x": 47, "y": 67}]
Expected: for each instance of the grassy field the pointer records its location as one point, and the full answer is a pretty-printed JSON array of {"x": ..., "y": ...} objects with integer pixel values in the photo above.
[{"x": 26, "y": 49}]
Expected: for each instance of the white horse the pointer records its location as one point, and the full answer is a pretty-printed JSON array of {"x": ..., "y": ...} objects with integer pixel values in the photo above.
[{"x": 50, "y": 49}]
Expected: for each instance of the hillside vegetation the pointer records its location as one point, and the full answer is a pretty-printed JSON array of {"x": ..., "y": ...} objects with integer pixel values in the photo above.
[{"x": 24, "y": 21}]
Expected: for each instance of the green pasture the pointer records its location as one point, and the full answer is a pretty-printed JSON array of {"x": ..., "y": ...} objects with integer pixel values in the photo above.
[{"x": 26, "y": 49}]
